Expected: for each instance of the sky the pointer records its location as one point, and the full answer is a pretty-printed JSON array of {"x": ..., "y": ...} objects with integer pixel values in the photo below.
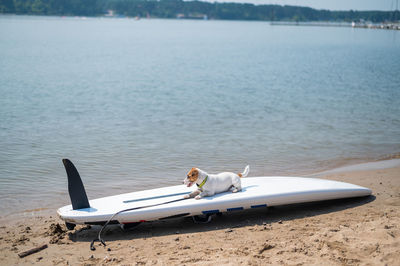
[{"x": 387, "y": 5}]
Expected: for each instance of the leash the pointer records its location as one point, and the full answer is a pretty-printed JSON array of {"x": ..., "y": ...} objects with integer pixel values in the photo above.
[{"x": 119, "y": 212}]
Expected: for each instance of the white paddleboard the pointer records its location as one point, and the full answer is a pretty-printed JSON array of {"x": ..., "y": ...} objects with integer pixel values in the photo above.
[{"x": 257, "y": 192}]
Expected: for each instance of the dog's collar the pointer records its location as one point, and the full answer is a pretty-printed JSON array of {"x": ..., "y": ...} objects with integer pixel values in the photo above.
[{"x": 202, "y": 183}]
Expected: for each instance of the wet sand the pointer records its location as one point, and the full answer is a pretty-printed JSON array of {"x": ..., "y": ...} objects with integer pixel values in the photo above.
[{"x": 349, "y": 231}]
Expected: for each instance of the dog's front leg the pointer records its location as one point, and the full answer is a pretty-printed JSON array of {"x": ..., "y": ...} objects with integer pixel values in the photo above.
[
  {"x": 203, "y": 194},
  {"x": 193, "y": 194}
]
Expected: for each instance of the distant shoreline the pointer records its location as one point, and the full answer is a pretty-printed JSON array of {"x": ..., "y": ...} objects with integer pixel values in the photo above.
[
  {"x": 193, "y": 10},
  {"x": 364, "y": 25}
]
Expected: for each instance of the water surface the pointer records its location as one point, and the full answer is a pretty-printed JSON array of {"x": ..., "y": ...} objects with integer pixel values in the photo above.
[{"x": 136, "y": 104}]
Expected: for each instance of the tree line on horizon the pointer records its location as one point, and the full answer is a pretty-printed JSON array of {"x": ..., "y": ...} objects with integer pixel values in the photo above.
[{"x": 190, "y": 9}]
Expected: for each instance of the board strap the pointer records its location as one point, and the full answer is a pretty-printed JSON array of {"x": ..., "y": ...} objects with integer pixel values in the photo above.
[{"x": 121, "y": 211}]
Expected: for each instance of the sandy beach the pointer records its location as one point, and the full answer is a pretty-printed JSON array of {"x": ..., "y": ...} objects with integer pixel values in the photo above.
[{"x": 360, "y": 231}]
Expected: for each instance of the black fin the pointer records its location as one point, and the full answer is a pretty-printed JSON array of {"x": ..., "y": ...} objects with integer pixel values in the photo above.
[{"x": 76, "y": 189}]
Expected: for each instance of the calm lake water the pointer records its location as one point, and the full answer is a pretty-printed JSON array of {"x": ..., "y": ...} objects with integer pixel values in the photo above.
[{"x": 136, "y": 104}]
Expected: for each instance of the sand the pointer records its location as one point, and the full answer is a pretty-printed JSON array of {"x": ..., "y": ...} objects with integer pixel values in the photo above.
[{"x": 360, "y": 231}]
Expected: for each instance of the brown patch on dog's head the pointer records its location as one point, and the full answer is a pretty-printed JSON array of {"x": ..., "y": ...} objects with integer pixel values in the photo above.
[{"x": 193, "y": 175}]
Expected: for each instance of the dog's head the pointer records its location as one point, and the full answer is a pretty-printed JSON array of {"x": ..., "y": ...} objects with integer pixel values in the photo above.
[{"x": 191, "y": 177}]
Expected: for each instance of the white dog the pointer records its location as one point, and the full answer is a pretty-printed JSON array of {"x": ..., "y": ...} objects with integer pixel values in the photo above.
[{"x": 209, "y": 185}]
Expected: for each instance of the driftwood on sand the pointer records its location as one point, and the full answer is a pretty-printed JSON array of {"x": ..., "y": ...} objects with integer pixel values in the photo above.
[{"x": 32, "y": 251}]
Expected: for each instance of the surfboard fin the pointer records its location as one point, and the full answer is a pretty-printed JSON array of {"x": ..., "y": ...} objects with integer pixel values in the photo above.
[{"x": 76, "y": 189}]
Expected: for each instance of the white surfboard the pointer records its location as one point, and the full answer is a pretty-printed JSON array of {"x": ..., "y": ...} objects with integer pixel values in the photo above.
[{"x": 256, "y": 192}]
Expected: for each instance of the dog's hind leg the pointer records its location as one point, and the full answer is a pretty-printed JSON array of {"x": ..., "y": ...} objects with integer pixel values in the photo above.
[
  {"x": 237, "y": 185},
  {"x": 236, "y": 189}
]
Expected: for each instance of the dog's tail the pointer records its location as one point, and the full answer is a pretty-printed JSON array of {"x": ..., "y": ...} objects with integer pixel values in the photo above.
[{"x": 245, "y": 172}]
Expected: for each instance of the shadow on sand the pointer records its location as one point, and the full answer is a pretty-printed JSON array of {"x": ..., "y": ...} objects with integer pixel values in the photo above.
[{"x": 237, "y": 219}]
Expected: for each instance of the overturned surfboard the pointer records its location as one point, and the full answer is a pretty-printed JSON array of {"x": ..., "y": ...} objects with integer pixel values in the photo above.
[{"x": 168, "y": 202}]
